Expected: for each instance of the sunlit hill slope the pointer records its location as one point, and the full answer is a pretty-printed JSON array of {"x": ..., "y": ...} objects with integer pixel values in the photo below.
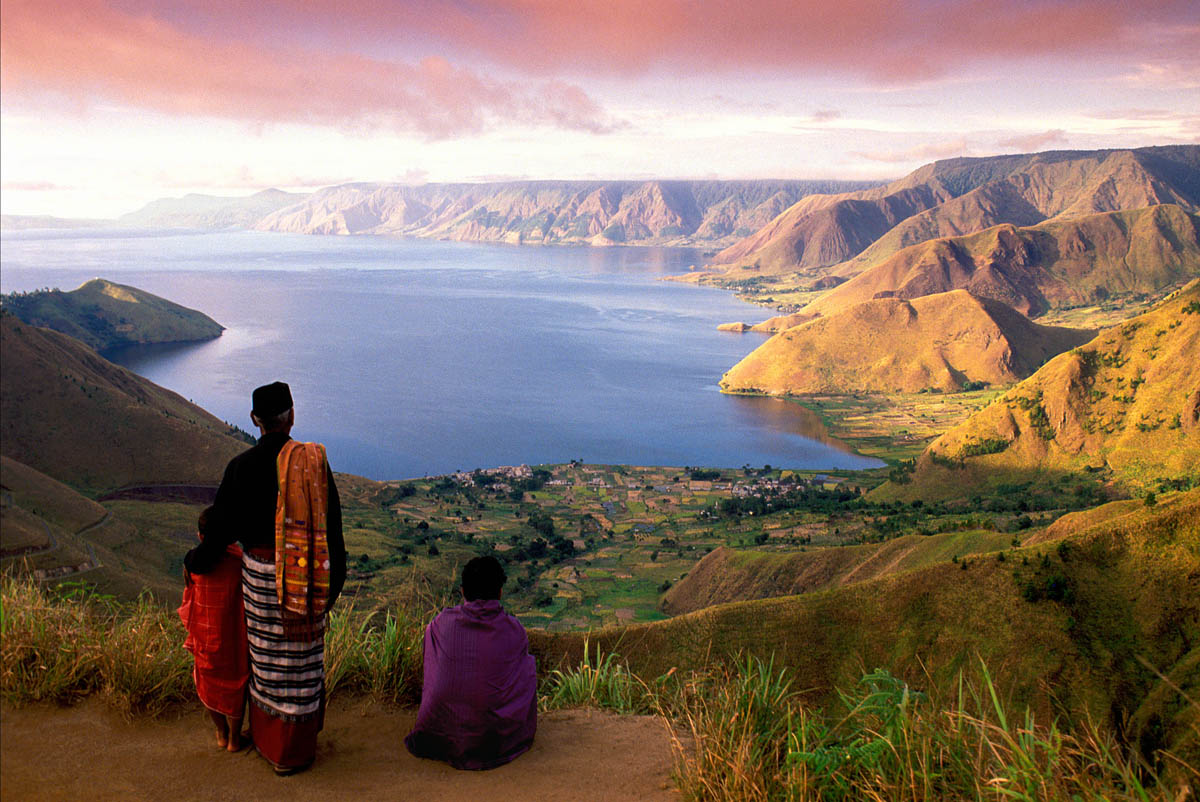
[
  {"x": 891, "y": 345},
  {"x": 1127, "y": 401}
]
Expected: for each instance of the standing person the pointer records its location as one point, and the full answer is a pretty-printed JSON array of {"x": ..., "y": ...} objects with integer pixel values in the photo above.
[
  {"x": 479, "y": 699},
  {"x": 280, "y": 501},
  {"x": 215, "y": 621}
]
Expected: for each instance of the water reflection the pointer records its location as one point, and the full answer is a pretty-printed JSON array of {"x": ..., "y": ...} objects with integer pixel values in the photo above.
[{"x": 787, "y": 417}]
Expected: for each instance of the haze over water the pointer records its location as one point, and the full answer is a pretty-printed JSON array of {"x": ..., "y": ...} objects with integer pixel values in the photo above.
[{"x": 411, "y": 357}]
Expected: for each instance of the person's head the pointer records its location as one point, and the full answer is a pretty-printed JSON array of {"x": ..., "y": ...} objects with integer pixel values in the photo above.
[
  {"x": 202, "y": 521},
  {"x": 482, "y": 579},
  {"x": 272, "y": 408}
]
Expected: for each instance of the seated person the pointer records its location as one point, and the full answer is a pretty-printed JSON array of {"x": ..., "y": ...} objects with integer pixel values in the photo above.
[{"x": 479, "y": 702}]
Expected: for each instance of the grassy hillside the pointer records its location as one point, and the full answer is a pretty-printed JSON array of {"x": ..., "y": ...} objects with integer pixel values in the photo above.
[
  {"x": 1128, "y": 402},
  {"x": 1061, "y": 263},
  {"x": 1097, "y": 604},
  {"x": 940, "y": 341},
  {"x": 72, "y": 415},
  {"x": 728, "y": 575},
  {"x": 104, "y": 315}
]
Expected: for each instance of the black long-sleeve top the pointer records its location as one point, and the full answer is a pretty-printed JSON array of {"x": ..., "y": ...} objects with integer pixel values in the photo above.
[{"x": 244, "y": 511}]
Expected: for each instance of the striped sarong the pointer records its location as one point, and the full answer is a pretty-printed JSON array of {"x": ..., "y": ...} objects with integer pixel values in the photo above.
[{"x": 287, "y": 677}]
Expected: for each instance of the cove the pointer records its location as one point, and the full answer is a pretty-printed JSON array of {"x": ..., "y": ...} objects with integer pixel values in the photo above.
[{"x": 415, "y": 357}]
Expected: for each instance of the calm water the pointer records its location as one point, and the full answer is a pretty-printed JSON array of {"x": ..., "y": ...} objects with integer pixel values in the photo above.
[{"x": 413, "y": 357}]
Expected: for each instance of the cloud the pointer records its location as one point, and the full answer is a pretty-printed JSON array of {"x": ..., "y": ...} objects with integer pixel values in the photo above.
[
  {"x": 390, "y": 64},
  {"x": 87, "y": 52},
  {"x": 825, "y": 115},
  {"x": 33, "y": 186},
  {"x": 1032, "y": 142},
  {"x": 921, "y": 153}
]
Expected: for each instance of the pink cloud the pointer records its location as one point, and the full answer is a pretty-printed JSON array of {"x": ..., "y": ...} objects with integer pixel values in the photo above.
[
  {"x": 1032, "y": 142},
  {"x": 86, "y": 50},
  {"x": 921, "y": 153},
  {"x": 883, "y": 39}
]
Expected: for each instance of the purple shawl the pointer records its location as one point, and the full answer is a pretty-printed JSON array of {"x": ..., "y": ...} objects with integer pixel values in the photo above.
[{"x": 479, "y": 701}]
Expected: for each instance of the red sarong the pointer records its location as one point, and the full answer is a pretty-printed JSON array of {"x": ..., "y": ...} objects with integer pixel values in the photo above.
[{"x": 215, "y": 621}]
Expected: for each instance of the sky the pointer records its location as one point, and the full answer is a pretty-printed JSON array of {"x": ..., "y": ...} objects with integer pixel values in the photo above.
[{"x": 106, "y": 105}]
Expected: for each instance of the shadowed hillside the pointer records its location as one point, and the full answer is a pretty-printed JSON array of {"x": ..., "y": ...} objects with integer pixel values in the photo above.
[
  {"x": 1097, "y": 604},
  {"x": 890, "y": 345},
  {"x": 103, "y": 314},
  {"x": 959, "y": 196},
  {"x": 1051, "y": 265},
  {"x": 602, "y": 213},
  {"x": 1128, "y": 401},
  {"x": 75, "y": 416}
]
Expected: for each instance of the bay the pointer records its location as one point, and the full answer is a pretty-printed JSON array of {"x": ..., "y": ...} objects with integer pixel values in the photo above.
[{"x": 415, "y": 357}]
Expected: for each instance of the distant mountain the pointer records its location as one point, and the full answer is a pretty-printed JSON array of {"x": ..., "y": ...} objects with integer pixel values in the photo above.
[
  {"x": 889, "y": 345},
  {"x": 1062, "y": 262},
  {"x": 1128, "y": 401},
  {"x": 209, "y": 211},
  {"x": 597, "y": 212},
  {"x": 104, "y": 314},
  {"x": 73, "y": 415},
  {"x": 25, "y": 222},
  {"x": 849, "y": 232}
]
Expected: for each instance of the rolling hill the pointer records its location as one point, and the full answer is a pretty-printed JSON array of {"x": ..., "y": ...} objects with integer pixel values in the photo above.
[
  {"x": 1116, "y": 590},
  {"x": 847, "y": 233},
  {"x": 602, "y": 213},
  {"x": 103, "y": 314},
  {"x": 1128, "y": 401},
  {"x": 1064, "y": 262},
  {"x": 71, "y": 414},
  {"x": 938, "y": 341}
]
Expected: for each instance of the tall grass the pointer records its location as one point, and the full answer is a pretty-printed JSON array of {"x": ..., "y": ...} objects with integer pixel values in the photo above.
[
  {"x": 382, "y": 660},
  {"x": 59, "y": 645},
  {"x": 604, "y": 683},
  {"x": 742, "y": 734}
]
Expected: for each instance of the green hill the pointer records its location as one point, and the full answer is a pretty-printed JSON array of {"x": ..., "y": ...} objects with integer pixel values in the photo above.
[
  {"x": 103, "y": 314},
  {"x": 1127, "y": 402},
  {"x": 1064, "y": 627},
  {"x": 73, "y": 415}
]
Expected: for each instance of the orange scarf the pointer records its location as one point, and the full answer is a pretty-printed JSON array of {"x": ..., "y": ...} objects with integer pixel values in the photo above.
[{"x": 301, "y": 548}]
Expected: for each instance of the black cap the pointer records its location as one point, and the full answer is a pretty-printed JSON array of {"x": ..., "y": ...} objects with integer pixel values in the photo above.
[{"x": 271, "y": 400}]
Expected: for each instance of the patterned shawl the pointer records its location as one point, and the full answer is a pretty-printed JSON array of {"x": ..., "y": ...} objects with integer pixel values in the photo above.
[{"x": 301, "y": 550}]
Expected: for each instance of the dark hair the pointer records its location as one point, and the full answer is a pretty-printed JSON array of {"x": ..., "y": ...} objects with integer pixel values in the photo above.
[
  {"x": 483, "y": 578},
  {"x": 202, "y": 521}
]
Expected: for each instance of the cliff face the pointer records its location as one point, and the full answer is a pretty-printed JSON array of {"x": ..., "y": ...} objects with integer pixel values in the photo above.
[
  {"x": 664, "y": 212},
  {"x": 891, "y": 345},
  {"x": 851, "y": 232}
]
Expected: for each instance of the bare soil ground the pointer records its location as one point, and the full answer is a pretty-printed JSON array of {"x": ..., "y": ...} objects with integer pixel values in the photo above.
[{"x": 91, "y": 752}]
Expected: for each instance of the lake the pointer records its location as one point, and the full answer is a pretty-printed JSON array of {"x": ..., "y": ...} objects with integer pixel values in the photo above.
[{"x": 414, "y": 357}]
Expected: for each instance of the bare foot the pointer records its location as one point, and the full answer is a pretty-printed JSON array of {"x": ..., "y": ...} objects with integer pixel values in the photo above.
[
  {"x": 235, "y": 735},
  {"x": 222, "y": 729}
]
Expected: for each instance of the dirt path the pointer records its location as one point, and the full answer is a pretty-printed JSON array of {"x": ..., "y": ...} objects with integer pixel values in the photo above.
[{"x": 89, "y": 752}]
